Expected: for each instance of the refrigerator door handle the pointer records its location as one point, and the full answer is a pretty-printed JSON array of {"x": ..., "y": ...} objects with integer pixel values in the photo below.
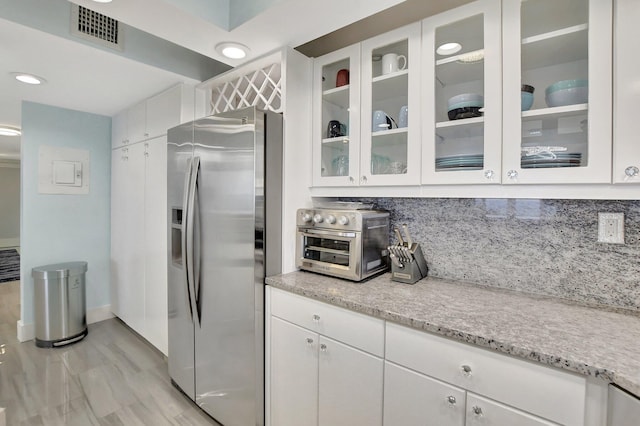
[
  {"x": 185, "y": 232},
  {"x": 196, "y": 246},
  {"x": 191, "y": 273}
]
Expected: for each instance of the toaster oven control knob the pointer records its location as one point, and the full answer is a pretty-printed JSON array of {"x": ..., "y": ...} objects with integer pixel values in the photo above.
[
  {"x": 318, "y": 218},
  {"x": 343, "y": 220},
  {"x": 306, "y": 217},
  {"x": 331, "y": 219}
]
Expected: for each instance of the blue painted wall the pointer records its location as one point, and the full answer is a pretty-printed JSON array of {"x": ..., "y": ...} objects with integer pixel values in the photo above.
[{"x": 65, "y": 228}]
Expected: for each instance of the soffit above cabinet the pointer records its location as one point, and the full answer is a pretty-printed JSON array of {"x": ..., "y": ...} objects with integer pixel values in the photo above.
[{"x": 394, "y": 17}]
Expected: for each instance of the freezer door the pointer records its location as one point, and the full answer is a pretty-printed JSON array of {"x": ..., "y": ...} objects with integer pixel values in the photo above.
[
  {"x": 181, "y": 324},
  {"x": 229, "y": 353}
]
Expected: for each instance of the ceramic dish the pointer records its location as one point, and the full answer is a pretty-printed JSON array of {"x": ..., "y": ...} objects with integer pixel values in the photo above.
[{"x": 567, "y": 92}]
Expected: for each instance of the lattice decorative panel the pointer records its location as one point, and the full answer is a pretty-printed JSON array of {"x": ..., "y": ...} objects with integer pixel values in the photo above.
[{"x": 261, "y": 88}]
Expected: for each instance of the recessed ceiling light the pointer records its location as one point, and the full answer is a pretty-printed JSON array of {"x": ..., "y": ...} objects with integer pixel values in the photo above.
[
  {"x": 103, "y": 1},
  {"x": 232, "y": 50},
  {"x": 448, "y": 49},
  {"x": 9, "y": 131},
  {"x": 28, "y": 78}
]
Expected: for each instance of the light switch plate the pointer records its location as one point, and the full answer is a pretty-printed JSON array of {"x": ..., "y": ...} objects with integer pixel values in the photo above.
[{"x": 611, "y": 228}]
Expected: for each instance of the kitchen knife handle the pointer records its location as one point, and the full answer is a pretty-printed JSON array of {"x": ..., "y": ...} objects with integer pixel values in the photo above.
[{"x": 398, "y": 235}]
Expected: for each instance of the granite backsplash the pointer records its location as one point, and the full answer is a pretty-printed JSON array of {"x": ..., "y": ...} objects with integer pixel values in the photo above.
[{"x": 546, "y": 247}]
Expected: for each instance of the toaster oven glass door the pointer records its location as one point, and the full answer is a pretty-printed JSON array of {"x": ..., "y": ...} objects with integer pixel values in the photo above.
[{"x": 327, "y": 248}]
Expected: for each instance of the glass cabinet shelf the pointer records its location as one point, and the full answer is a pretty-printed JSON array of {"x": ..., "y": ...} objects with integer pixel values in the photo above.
[
  {"x": 555, "y": 47},
  {"x": 336, "y": 141},
  {"x": 391, "y": 85},
  {"x": 460, "y": 123},
  {"x": 556, "y": 111},
  {"x": 338, "y": 96}
]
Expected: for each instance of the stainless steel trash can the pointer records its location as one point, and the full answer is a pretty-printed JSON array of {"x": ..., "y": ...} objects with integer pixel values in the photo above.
[{"x": 59, "y": 303}]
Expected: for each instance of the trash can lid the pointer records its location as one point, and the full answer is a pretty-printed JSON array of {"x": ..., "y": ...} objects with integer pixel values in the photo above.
[{"x": 59, "y": 270}]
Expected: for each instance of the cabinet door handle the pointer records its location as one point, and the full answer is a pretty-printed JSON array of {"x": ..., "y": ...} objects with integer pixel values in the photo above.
[
  {"x": 316, "y": 318},
  {"x": 351, "y": 179},
  {"x": 477, "y": 410},
  {"x": 466, "y": 370},
  {"x": 323, "y": 347},
  {"x": 512, "y": 174},
  {"x": 631, "y": 171},
  {"x": 309, "y": 341},
  {"x": 489, "y": 174},
  {"x": 451, "y": 400}
]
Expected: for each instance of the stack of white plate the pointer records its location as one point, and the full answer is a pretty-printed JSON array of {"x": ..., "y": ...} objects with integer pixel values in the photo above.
[{"x": 460, "y": 162}]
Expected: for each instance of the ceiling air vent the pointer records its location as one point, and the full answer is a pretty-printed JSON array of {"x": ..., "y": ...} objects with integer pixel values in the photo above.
[{"x": 95, "y": 27}]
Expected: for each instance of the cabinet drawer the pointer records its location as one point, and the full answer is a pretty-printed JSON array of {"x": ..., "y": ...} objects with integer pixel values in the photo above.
[
  {"x": 358, "y": 330},
  {"x": 547, "y": 392},
  {"x": 483, "y": 412}
]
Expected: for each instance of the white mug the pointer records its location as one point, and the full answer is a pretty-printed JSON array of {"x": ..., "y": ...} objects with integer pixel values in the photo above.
[
  {"x": 390, "y": 63},
  {"x": 403, "y": 117}
]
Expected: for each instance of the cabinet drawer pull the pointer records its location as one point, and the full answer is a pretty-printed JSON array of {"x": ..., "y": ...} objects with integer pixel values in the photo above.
[
  {"x": 477, "y": 410},
  {"x": 451, "y": 400},
  {"x": 631, "y": 171},
  {"x": 323, "y": 347},
  {"x": 466, "y": 370},
  {"x": 309, "y": 341},
  {"x": 316, "y": 318}
]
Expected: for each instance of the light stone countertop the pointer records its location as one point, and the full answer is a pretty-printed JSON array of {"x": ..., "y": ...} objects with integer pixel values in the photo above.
[{"x": 590, "y": 341}]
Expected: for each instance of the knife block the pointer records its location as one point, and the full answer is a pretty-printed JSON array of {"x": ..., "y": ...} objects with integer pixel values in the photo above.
[{"x": 412, "y": 271}]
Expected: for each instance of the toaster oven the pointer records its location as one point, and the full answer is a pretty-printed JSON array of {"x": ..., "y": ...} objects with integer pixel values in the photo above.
[{"x": 349, "y": 244}]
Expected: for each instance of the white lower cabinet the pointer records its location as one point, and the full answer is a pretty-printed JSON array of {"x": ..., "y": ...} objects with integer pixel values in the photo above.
[
  {"x": 294, "y": 374},
  {"x": 332, "y": 366},
  {"x": 485, "y": 412},
  {"x": 624, "y": 409},
  {"x": 413, "y": 399},
  {"x": 315, "y": 379}
]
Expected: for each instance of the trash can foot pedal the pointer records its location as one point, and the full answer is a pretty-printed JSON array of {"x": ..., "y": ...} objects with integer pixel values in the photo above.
[{"x": 61, "y": 342}]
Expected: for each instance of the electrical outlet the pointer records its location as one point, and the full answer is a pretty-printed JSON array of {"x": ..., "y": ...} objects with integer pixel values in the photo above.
[{"x": 611, "y": 228}]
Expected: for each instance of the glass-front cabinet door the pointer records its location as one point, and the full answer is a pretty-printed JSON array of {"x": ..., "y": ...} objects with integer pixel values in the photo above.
[
  {"x": 390, "y": 129},
  {"x": 626, "y": 68},
  {"x": 462, "y": 95},
  {"x": 336, "y": 118},
  {"x": 557, "y": 91}
]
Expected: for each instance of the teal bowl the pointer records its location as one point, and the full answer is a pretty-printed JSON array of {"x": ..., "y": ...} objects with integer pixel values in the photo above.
[{"x": 526, "y": 101}]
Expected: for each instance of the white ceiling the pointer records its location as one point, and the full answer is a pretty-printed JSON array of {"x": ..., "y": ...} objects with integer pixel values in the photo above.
[{"x": 87, "y": 79}]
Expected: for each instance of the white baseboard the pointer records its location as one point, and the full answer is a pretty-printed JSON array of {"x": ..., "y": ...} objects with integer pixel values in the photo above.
[
  {"x": 9, "y": 242},
  {"x": 99, "y": 314},
  {"x": 28, "y": 331}
]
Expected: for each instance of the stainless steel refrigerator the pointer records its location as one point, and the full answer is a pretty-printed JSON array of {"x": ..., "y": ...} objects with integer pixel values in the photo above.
[{"x": 224, "y": 208}]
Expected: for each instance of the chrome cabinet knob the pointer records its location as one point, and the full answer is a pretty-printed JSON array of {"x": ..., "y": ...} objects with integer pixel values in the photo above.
[
  {"x": 309, "y": 341},
  {"x": 363, "y": 179},
  {"x": 631, "y": 171},
  {"x": 351, "y": 179},
  {"x": 466, "y": 370},
  {"x": 451, "y": 400},
  {"x": 316, "y": 318},
  {"x": 489, "y": 174},
  {"x": 323, "y": 347},
  {"x": 512, "y": 174},
  {"x": 476, "y": 410}
]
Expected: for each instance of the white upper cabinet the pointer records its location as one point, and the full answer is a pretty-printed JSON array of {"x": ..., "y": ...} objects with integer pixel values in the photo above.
[
  {"x": 462, "y": 95},
  {"x": 626, "y": 160},
  {"x": 364, "y": 98},
  {"x": 336, "y": 123},
  {"x": 563, "y": 50},
  {"x": 390, "y": 130}
]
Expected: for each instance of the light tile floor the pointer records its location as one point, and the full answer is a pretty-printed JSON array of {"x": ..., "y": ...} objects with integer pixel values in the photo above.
[{"x": 112, "y": 377}]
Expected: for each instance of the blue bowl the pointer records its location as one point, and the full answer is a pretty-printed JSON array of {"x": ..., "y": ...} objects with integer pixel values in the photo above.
[{"x": 526, "y": 100}]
